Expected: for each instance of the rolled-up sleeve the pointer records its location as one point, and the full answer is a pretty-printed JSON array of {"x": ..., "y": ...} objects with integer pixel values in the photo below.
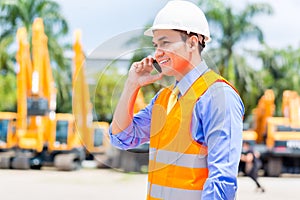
[{"x": 220, "y": 121}]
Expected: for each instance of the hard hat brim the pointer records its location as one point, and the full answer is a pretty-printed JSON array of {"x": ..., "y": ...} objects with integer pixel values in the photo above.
[{"x": 149, "y": 31}]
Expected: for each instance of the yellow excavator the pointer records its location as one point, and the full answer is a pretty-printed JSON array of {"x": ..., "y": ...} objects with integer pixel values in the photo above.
[
  {"x": 8, "y": 138},
  {"x": 40, "y": 136},
  {"x": 36, "y": 135},
  {"x": 93, "y": 135},
  {"x": 255, "y": 133},
  {"x": 277, "y": 139},
  {"x": 283, "y": 138}
]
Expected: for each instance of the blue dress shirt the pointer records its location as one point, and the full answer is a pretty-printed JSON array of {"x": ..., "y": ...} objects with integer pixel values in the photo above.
[{"x": 216, "y": 123}]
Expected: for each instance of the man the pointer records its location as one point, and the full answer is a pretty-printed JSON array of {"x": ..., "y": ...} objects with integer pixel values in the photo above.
[
  {"x": 250, "y": 164},
  {"x": 195, "y": 147}
]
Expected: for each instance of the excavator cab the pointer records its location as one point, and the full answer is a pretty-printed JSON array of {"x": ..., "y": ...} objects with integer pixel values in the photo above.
[
  {"x": 7, "y": 138},
  {"x": 64, "y": 136},
  {"x": 7, "y": 130},
  {"x": 100, "y": 144},
  {"x": 64, "y": 143},
  {"x": 37, "y": 106},
  {"x": 100, "y": 138}
]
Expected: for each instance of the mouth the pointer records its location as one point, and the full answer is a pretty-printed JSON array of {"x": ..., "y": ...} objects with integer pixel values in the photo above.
[{"x": 164, "y": 61}]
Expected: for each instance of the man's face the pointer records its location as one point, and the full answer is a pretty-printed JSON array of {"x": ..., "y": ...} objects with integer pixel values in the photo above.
[{"x": 171, "y": 53}]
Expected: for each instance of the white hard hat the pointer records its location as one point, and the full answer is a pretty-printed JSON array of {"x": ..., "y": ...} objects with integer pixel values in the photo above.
[{"x": 181, "y": 15}]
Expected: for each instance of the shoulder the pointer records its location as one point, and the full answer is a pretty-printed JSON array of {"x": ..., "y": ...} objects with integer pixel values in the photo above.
[
  {"x": 221, "y": 92},
  {"x": 220, "y": 97}
]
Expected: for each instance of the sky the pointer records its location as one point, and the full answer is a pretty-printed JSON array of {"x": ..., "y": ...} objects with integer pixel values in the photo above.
[{"x": 100, "y": 21}]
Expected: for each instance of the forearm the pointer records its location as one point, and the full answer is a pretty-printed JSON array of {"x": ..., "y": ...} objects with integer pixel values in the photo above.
[
  {"x": 123, "y": 114},
  {"x": 137, "y": 132}
]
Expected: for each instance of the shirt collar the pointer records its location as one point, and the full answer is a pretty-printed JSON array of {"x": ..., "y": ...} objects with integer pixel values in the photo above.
[{"x": 186, "y": 82}]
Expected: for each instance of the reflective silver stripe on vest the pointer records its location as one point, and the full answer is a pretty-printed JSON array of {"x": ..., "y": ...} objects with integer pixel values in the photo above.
[
  {"x": 152, "y": 152},
  {"x": 179, "y": 159},
  {"x": 168, "y": 193}
]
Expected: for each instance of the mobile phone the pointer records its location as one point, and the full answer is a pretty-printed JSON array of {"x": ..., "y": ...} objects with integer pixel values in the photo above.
[{"x": 156, "y": 66}]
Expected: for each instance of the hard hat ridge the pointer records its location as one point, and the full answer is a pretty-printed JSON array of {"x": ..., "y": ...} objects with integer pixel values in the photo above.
[{"x": 181, "y": 15}]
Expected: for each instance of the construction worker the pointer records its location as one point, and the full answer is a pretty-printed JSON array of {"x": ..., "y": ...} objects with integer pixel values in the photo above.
[
  {"x": 250, "y": 164},
  {"x": 195, "y": 145}
]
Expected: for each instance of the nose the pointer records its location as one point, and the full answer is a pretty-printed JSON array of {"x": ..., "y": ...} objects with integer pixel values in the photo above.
[{"x": 158, "y": 53}]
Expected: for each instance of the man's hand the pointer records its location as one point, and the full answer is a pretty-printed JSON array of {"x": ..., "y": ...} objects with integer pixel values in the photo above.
[{"x": 140, "y": 73}]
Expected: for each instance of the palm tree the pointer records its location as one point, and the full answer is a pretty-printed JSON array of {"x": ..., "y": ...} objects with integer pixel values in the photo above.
[
  {"x": 6, "y": 60},
  {"x": 7, "y": 77},
  {"x": 281, "y": 68},
  {"x": 21, "y": 13},
  {"x": 229, "y": 28}
]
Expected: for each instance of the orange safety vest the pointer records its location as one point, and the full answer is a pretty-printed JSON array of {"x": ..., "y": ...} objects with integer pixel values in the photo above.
[{"x": 177, "y": 163}]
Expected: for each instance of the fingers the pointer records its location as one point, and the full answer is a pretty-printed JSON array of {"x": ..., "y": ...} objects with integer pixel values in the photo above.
[
  {"x": 144, "y": 65},
  {"x": 140, "y": 72}
]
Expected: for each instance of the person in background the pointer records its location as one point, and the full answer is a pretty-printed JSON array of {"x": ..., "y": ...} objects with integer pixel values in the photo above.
[
  {"x": 195, "y": 125},
  {"x": 250, "y": 164}
]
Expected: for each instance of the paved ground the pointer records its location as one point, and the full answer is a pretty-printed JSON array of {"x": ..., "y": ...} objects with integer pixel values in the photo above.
[
  {"x": 107, "y": 184},
  {"x": 282, "y": 188}
]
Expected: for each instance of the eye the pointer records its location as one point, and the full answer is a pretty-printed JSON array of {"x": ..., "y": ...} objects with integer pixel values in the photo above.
[
  {"x": 161, "y": 44},
  {"x": 165, "y": 43}
]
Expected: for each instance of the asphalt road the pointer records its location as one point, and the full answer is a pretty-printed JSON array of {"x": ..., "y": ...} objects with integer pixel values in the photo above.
[{"x": 107, "y": 184}]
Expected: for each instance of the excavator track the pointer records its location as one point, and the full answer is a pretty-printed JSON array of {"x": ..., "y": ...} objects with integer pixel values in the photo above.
[{"x": 67, "y": 162}]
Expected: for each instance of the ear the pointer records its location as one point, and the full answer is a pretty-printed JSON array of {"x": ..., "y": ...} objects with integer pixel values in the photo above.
[{"x": 193, "y": 43}]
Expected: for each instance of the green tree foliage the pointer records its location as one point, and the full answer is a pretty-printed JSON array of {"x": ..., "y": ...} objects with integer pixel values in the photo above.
[
  {"x": 21, "y": 13},
  {"x": 107, "y": 92},
  {"x": 281, "y": 71},
  {"x": 8, "y": 92},
  {"x": 7, "y": 77},
  {"x": 63, "y": 80},
  {"x": 229, "y": 28},
  {"x": 6, "y": 59}
]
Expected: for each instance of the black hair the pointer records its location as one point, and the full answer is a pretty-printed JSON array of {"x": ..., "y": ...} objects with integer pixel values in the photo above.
[{"x": 184, "y": 36}]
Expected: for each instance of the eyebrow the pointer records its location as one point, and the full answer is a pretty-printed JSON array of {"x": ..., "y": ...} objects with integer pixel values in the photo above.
[{"x": 159, "y": 39}]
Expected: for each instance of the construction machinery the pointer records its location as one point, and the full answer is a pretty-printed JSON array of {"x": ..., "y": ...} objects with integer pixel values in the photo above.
[
  {"x": 250, "y": 136},
  {"x": 93, "y": 135},
  {"x": 8, "y": 138},
  {"x": 265, "y": 109},
  {"x": 36, "y": 134},
  {"x": 256, "y": 128},
  {"x": 276, "y": 139},
  {"x": 283, "y": 138},
  {"x": 132, "y": 160}
]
